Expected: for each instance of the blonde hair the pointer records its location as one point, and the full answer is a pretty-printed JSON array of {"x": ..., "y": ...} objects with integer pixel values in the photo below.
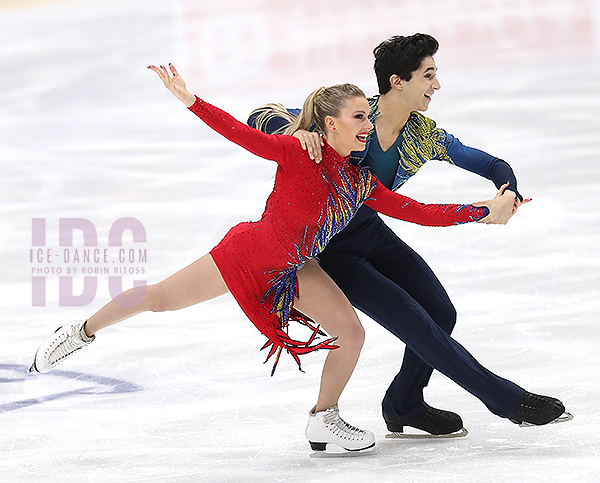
[
  {"x": 322, "y": 102},
  {"x": 271, "y": 111}
]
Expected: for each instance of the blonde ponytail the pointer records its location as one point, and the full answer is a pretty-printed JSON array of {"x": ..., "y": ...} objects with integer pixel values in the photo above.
[
  {"x": 307, "y": 116},
  {"x": 270, "y": 111},
  {"x": 323, "y": 102}
]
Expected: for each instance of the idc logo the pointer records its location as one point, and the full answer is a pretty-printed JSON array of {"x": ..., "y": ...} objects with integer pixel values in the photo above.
[{"x": 88, "y": 260}]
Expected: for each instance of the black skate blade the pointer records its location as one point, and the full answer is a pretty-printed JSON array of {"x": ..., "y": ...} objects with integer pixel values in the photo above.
[
  {"x": 33, "y": 369},
  {"x": 564, "y": 417},
  {"x": 401, "y": 435},
  {"x": 334, "y": 451}
]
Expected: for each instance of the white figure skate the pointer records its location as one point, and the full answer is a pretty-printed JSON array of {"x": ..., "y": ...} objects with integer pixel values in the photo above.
[
  {"x": 67, "y": 340},
  {"x": 327, "y": 428}
]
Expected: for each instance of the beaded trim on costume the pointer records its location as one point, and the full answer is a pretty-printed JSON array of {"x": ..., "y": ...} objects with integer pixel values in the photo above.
[{"x": 344, "y": 199}]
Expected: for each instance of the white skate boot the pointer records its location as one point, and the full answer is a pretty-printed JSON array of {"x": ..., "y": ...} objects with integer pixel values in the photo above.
[
  {"x": 328, "y": 428},
  {"x": 67, "y": 340}
]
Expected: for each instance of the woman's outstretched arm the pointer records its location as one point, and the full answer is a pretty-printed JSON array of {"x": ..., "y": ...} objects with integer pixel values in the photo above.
[
  {"x": 404, "y": 208},
  {"x": 266, "y": 146}
]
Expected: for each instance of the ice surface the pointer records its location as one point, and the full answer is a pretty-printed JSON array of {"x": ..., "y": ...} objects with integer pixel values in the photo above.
[{"x": 87, "y": 132}]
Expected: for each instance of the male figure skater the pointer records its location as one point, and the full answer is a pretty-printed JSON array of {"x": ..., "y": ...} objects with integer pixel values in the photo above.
[{"x": 382, "y": 276}]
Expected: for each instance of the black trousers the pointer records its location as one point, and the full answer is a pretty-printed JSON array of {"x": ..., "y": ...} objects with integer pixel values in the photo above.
[{"x": 387, "y": 280}]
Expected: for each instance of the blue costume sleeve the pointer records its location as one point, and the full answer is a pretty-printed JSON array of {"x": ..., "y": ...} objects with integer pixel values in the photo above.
[{"x": 483, "y": 164}]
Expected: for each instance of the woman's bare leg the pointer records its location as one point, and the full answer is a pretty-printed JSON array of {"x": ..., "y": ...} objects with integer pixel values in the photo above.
[
  {"x": 196, "y": 283},
  {"x": 322, "y": 300}
]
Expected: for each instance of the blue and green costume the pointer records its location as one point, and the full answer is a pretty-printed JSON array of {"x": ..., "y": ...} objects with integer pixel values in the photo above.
[{"x": 384, "y": 278}]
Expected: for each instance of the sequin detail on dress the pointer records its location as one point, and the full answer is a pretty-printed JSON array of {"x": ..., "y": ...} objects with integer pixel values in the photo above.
[
  {"x": 347, "y": 194},
  {"x": 309, "y": 204}
]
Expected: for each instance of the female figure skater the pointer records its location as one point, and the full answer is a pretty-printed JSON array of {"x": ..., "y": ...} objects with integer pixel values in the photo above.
[{"x": 269, "y": 266}]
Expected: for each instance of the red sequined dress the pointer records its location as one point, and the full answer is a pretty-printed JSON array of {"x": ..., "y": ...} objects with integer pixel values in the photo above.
[{"x": 309, "y": 204}]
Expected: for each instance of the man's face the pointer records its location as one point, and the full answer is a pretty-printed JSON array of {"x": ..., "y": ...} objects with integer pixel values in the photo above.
[{"x": 419, "y": 89}]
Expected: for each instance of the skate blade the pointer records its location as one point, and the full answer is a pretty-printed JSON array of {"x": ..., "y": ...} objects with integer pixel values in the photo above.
[
  {"x": 33, "y": 369},
  {"x": 566, "y": 416},
  {"x": 334, "y": 451},
  {"x": 400, "y": 435}
]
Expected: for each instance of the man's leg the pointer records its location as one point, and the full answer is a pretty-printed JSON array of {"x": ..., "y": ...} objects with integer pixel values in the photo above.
[
  {"x": 383, "y": 299},
  {"x": 423, "y": 295}
]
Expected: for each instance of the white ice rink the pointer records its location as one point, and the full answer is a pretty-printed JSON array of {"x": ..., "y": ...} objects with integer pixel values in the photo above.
[{"x": 88, "y": 133}]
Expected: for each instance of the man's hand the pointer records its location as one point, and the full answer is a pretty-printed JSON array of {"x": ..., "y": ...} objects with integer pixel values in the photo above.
[
  {"x": 502, "y": 207},
  {"x": 311, "y": 142}
]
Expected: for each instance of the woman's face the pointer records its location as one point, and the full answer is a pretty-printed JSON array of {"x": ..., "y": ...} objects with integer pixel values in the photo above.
[{"x": 349, "y": 131}]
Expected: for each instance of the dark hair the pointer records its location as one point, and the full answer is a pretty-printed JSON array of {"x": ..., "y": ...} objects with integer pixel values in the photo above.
[{"x": 401, "y": 56}]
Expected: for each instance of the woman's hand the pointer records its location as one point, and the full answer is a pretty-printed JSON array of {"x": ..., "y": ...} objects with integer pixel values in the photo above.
[
  {"x": 502, "y": 207},
  {"x": 175, "y": 83},
  {"x": 311, "y": 142}
]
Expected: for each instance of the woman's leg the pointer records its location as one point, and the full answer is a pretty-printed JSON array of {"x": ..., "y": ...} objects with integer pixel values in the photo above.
[
  {"x": 322, "y": 300},
  {"x": 195, "y": 283}
]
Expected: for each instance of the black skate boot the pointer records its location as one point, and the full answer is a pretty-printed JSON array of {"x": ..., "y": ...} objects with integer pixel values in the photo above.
[
  {"x": 536, "y": 410},
  {"x": 436, "y": 422}
]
